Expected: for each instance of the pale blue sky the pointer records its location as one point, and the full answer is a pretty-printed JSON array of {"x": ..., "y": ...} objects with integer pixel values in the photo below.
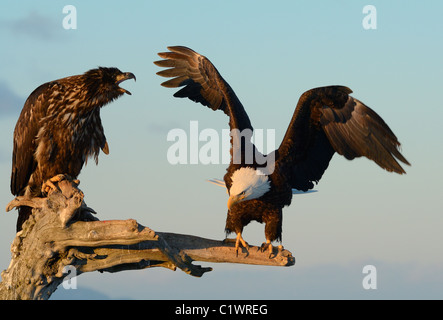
[{"x": 270, "y": 53}]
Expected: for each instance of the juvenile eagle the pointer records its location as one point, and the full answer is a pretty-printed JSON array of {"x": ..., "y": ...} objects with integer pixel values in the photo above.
[
  {"x": 59, "y": 128},
  {"x": 326, "y": 120}
]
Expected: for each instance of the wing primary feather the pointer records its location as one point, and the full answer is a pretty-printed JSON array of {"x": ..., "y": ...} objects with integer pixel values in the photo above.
[
  {"x": 328, "y": 120},
  {"x": 203, "y": 83},
  {"x": 218, "y": 182},
  {"x": 165, "y": 63},
  {"x": 173, "y": 72},
  {"x": 176, "y": 82}
]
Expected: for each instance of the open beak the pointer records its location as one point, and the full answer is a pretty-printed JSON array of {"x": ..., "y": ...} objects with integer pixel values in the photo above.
[
  {"x": 234, "y": 199},
  {"x": 123, "y": 77}
]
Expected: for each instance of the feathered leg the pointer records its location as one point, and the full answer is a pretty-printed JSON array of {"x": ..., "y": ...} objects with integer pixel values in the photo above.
[{"x": 273, "y": 231}]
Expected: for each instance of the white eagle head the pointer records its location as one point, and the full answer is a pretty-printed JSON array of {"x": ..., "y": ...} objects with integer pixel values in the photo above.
[{"x": 247, "y": 184}]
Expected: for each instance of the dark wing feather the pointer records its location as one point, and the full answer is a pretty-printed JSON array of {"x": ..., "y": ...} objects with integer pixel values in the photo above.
[
  {"x": 328, "y": 120},
  {"x": 312, "y": 165},
  {"x": 25, "y": 132},
  {"x": 201, "y": 83},
  {"x": 355, "y": 130}
]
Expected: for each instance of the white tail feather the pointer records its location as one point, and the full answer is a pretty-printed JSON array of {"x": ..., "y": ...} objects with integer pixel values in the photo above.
[
  {"x": 218, "y": 182},
  {"x": 221, "y": 183},
  {"x": 296, "y": 191}
]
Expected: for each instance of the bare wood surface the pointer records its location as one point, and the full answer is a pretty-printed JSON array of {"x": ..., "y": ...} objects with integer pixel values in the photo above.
[{"x": 62, "y": 232}]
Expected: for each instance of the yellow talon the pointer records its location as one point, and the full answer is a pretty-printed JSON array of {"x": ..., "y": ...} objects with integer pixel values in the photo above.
[
  {"x": 242, "y": 241},
  {"x": 50, "y": 183}
]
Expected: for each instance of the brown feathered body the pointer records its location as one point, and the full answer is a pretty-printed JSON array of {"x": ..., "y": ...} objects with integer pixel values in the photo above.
[
  {"x": 326, "y": 120},
  {"x": 59, "y": 128}
]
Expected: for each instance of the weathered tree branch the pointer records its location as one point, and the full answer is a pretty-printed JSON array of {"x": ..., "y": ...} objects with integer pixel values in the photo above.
[{"x": 62, "y": 232}]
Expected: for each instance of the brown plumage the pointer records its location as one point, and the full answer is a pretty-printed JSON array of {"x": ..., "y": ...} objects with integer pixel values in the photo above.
[
  {"x": 326, "y": 120},
  {"x": 59, "y": 128}
]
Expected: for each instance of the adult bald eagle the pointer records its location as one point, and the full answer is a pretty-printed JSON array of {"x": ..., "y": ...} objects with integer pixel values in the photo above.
[
  {"x": 59, "y": 128},
  {"x": 326, "y": 120}
]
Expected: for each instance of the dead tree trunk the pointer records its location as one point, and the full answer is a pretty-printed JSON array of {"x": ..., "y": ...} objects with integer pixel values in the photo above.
[{"x": 62, "y": 232}]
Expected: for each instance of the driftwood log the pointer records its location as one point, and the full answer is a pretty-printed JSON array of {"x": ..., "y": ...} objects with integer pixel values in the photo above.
[{"x": 62, "y": 232}]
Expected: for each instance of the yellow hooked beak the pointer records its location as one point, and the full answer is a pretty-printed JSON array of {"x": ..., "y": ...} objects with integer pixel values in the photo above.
[
  {"x": 123, "y": 77},
  {"x": 234, "y": 199}
]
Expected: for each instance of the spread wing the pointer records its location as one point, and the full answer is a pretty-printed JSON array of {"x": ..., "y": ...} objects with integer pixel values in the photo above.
[
  {"x": 201, "y": 83},
  {"x": 328, "y": 120}
]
